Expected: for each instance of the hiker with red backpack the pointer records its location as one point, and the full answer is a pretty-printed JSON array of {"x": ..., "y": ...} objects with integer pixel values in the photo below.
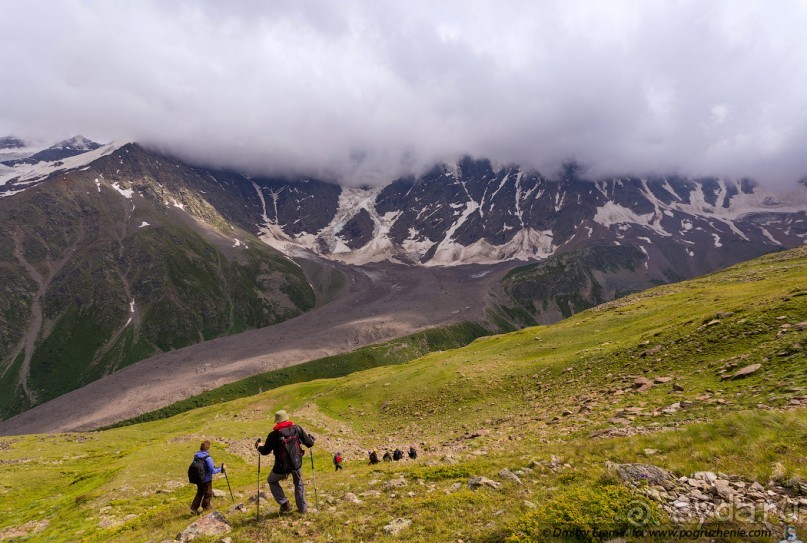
[
  {"x": 201, "y": 472},
  {"x": 284, "y": 441},
  {"x": 337, "y": 461}
]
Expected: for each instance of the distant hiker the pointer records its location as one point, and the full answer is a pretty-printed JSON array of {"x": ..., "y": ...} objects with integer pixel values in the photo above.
[
  {"x": 337, "y": 461},
  {"x": 373, "y": 457},
  {"x": 201, "y": 473},
  {"x": 284, "y": 441},
  {"x": 387, "y": 457},
  {"x": 413, "y": 454},
  {"x": 397, "y": 455}
]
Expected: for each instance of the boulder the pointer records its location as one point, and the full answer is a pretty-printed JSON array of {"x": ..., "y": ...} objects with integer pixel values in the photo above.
[
  {"x": 707, "y": 476},
  {"x": 642, "y": 383},
  {"x": 396, "y": 483},
  {"x": 722, "y": 488},
  {"x": 263, "y": 496},
  {"x": 678, "y": 387},
  {"x": 650, "y": 351},
  {"x": 746, "y": 371},
  {"x": 219, "y": 493},
  {"x": 662, "y": 380},
  {"x": 397, "y": 526},
  {"x": 634, "y": 474},
  {"x": 239, "y": 507},
  {"x": 209, "y": 525},
  {"x": 475, "y": 483},
  {"x": 351, "y": 498},
  {"x": 508, "y": 475}
]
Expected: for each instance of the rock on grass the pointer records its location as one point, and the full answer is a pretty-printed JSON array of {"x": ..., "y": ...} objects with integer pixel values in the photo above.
[
  {"x": 397, "y": 526},
  {"x": 209, "y": 525}
]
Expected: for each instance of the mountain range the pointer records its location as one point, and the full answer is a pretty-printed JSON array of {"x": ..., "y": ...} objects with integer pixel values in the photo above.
[{"x": 116, "y": 253}]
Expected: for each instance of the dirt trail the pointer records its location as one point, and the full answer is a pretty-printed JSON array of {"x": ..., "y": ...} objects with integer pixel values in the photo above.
[{"x": 379, "y": 302}]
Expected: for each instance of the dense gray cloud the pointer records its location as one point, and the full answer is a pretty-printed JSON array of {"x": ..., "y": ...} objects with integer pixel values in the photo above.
[{"x": 367, "y": 90}]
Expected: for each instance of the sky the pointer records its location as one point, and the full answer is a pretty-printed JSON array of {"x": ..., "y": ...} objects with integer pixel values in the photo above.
[{"x": 365, "y": 91}]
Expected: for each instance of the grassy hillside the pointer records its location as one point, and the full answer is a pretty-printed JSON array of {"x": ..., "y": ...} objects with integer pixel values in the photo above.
[
  {"x": 552, "y": 403},
  {"x": 396, "y": 351}
]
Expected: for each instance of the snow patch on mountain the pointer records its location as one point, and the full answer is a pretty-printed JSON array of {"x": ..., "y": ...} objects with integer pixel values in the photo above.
[
  {"x": 613, "y": 214},
  {"x": 126, "y": 193}
]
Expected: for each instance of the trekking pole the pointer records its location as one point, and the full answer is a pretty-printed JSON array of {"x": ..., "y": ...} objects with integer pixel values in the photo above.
[
  {"x": 314, "y": 479},
  {"x": 258, "y": 495},
  {"x": 228, "y": 486}
]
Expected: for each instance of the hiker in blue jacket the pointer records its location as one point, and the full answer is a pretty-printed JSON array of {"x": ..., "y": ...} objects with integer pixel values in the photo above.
[{"x": 204, "y": 490}]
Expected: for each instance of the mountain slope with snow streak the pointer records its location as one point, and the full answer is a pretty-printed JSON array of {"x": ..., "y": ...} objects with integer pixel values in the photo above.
[{"x": 471, "y": 213}]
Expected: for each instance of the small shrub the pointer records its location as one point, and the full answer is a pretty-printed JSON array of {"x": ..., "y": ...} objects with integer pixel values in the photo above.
[
  {"x": 568, "y": 477},
  {"x": 607, "y": 478},
  {"x": 584, "y": 514}
]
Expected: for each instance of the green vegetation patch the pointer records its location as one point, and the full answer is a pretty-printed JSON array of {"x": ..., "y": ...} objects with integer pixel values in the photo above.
[{"x": 392, "y": 352}]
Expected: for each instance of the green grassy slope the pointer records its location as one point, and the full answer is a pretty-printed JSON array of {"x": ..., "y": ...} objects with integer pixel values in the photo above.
[{"x": 503, "y": 401}]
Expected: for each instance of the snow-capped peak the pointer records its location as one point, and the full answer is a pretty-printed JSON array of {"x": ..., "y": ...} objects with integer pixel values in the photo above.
[{"x": 77, "y": 143}]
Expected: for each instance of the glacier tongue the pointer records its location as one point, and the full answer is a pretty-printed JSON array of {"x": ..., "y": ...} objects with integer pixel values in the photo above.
[{"x": 527, "y": 244}]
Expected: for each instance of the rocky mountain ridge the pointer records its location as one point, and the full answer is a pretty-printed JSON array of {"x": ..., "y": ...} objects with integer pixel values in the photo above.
[
  {"x": 64, "y": 149},
  {"x": 473, "y": 212}
]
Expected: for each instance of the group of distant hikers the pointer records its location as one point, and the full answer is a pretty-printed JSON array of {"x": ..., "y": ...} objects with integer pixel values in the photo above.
[
  {"x": 396, "y": 455},
  {"x": 285, "y": 442}
]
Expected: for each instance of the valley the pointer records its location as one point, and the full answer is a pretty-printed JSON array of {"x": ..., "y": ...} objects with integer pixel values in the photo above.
[{"x": 378, "y": 302}]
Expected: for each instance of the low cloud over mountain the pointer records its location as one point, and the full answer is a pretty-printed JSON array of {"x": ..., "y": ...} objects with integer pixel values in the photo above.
[{"x": 365, "y": 91}]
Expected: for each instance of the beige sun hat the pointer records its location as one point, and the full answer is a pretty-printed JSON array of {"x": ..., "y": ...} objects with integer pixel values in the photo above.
[{"x": 281, "y": 416}]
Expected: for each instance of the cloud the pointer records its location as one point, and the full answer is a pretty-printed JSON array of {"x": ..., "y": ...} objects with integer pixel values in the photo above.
[{"x": 365, "y": 91}]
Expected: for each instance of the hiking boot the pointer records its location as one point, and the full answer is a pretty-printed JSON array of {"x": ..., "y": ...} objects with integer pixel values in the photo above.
[
  {"x": 285, "y": 507},
  {"x": 194, "y": 511}
]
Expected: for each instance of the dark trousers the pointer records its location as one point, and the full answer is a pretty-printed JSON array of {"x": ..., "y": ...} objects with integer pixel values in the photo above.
[
  {"x": 338, "y": 467},
  {"x": 204, "y": 493},
  {"x": 299, "y": 489}
]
